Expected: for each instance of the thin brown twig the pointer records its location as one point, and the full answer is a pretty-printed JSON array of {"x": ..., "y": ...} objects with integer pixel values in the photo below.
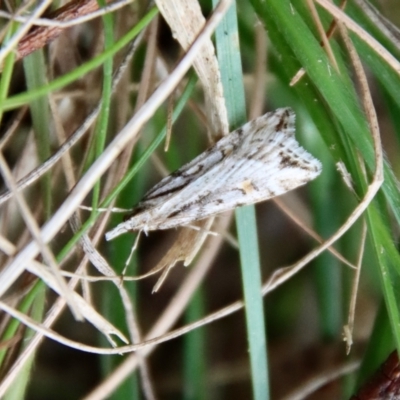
[
  {"x": 348, "y": 329},
  {"x": 370, "y": 112},
  {"x": 67, "y": 23},
  {"x": 324, "y": 39},
  {"x": 42, "y": 35},
  {"x": 21, "y": 32}
]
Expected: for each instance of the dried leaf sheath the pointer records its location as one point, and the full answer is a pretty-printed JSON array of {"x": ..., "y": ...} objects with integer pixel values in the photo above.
[{"x": 254, "y": 163}]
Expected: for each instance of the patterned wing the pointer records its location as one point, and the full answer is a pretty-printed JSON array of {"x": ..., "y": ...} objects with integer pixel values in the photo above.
[
  {"x": 268, "y": 163},
  {"x": 254, "y": 163}
]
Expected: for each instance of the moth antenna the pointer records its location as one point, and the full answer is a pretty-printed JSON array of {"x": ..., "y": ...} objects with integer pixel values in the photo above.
[{"x": 112, "y": 209}]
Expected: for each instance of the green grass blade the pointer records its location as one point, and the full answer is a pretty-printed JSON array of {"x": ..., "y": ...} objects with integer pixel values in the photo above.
[
  {"x": 104, "y": 115},
  {"x": 18, "y": 391},
  {"x": 35, "y": 73},
  {"x": 195, "y": 353},
  {"x": 232, "y": 79}
]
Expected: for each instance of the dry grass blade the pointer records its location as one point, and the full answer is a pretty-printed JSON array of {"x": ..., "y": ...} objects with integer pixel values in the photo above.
[
  {"x": 186, "y": 21},
  {"x": 348, "y": 329},
  {"x": 373, "y": 122},
  {"x": 40, "y": 328},
  {"x": 258, "y": 97},
  {"x": 323, "y": 35},
  {"x": 35, "y": 232},
  {"x": 85, "y": 309},
  {"x": 46, "y": 30}
]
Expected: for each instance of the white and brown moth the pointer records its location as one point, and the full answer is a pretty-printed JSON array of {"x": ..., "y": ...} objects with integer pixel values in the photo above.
[{"x": 256, "y": 162}]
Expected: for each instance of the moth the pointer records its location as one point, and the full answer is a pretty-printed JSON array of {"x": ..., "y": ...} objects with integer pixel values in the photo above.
[{"x": 256, "y": 162}]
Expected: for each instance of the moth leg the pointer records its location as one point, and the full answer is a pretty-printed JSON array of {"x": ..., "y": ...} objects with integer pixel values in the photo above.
[
  {"x": 197, "y": 228},
  {"x": 134, "y": 247},
  {"x": 162, "y": 278}
]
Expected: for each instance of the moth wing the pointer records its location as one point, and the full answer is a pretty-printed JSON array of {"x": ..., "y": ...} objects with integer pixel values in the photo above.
[
  {"x": 252, "y": 131},
  {"x": 268, "y": 163},
  {"x": 253, "y": 163}
]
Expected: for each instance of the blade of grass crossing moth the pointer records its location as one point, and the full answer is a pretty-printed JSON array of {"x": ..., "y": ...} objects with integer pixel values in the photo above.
[{"x": 232, "y": 79}]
